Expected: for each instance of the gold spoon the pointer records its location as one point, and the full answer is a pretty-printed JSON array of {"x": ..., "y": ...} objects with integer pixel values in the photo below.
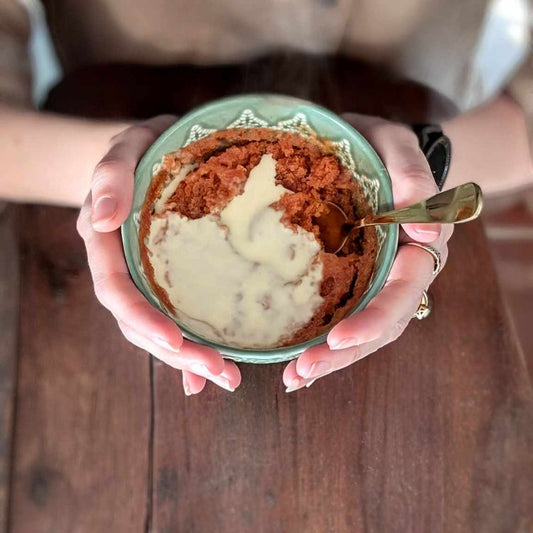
[{"x": 454, "y": 206}]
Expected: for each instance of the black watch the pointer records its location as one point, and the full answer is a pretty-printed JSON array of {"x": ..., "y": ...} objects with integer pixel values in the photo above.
[{"x": 437, "y": 148}]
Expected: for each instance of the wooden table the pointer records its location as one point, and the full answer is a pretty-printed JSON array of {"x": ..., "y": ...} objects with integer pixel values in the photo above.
[{"x": 430, "y": 434}]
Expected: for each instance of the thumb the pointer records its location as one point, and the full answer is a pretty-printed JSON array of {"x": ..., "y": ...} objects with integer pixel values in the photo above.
[
  {"x": 416, "y": 188},
  {"x": 112, "y": 193},
  {"x": 112, "y": 182},
  {"x": 412, "y": 182},
  {"x": 408, "y": 167}
]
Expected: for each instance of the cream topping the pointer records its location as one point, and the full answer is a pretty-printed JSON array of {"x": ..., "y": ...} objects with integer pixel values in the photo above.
[{"x": 241, "y": 277}]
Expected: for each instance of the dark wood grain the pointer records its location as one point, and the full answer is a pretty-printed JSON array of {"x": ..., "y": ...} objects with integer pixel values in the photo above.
[
  {"x": 510, "y": 234},
  {"x": 82, "y": 430},
  {"x": 432, "y": 433},
  {"x": 9, "y": 303}
]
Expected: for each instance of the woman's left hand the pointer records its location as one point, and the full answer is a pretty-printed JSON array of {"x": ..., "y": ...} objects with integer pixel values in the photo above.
[{"x": 385, "y": 318}]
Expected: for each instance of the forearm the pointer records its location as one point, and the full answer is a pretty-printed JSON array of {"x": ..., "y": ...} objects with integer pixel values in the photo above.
[
  {"x": 48, "y": 158},
  {"x": 490, "y": 146}
]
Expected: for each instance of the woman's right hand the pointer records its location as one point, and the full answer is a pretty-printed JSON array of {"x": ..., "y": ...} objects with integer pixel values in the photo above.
[{"x": 106, "y": 207}]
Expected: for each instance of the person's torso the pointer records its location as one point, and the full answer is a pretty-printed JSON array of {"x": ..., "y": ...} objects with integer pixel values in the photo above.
[
  {"x": 214, "y": 31},
  {"x": 427, "y": 40}
]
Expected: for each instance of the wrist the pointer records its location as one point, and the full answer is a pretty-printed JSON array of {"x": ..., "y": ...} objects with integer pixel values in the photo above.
[{"x": 64, "y": 152}]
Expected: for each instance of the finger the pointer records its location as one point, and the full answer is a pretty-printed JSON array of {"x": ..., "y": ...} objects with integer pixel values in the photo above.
[
  {"x": 212, "y": 366},
  {"x": 179, "y": 360},
  {"x": 440, "y": 245},
  {"x": 112, "y": 183},
  {"x": 232, "y": 374},
  {"x": 192, "y": 384},
  {"x": 294, "y": 381},
  {"x": 445, "y": 234},
  {"x": 194, "y": 358},
  {"x": 115, "y": 290},
  {"x": 291, "y": 379},
  {"x": 411, "y": 273},
  {"x": 412, "y": 180},
  {"x": 320, "y": 361}
]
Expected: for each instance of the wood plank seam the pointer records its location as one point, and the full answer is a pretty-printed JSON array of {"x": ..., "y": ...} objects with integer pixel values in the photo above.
[
  {"x": 13, "y": 443},
  {"x": 150, "y": 473},
  {"x": 9, "y": 326}
]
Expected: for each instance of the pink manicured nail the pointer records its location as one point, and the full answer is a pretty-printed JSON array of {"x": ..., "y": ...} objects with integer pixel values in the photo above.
[
  {"x": 429, "y": 230},
  {"x": 224, "y": 383},
  {"x": 343, "y": 343},
  {"x": 318, "y": 368},
  {"x": 103, "y": 209},
  {"x": 296, "y": 384},
  {"x": 165, "y": 344},
  {"x": 200, "y": 369}
]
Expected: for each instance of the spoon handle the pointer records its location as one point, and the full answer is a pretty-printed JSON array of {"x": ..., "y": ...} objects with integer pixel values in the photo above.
[{"x": 454, "y": 206}]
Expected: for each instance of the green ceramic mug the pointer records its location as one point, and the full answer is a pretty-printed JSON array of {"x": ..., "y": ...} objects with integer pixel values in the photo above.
[{"x": 285, "y": 113}]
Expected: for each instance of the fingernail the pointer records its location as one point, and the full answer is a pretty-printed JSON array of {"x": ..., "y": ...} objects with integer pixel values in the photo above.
[
  {"x": 201, "y": 369},
  {"x": 165, "y": 344},
  {"x": 309, "y": 383},
  {"x": 187, "y": 389},
  {"x": 343, "y": 343},
  {"x": 296, "y": 383},
  {"x": 103, "y": 209},
  {"x": 429, "y": 230},
  {"x": 224, "y": 383},
  {"x": 317, "y": 369}
]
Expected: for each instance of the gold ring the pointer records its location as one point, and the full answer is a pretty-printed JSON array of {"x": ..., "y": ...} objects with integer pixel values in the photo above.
[
  {"x": 430, "y": 250},
  {"x": 425, "y": 307}
]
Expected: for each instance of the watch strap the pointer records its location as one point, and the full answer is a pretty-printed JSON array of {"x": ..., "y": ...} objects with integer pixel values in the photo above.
[{"x": 437, "y": 148}]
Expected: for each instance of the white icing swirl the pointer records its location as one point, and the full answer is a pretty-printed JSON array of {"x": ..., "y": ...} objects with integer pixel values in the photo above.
[{"x": 240, "y": 278}]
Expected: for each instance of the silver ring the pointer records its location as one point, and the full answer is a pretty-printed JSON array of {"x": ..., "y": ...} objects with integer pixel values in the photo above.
[
  {"x": 433, "y": 251},
  {"x": 425, "y": 307}
]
